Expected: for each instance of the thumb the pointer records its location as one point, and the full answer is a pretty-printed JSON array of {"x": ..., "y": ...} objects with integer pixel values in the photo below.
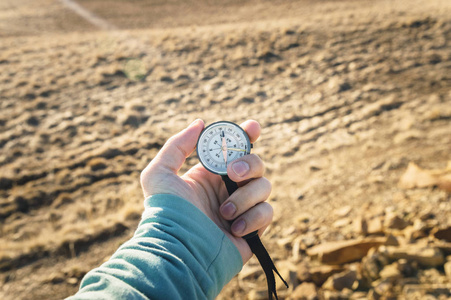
[{"x": 174, "y": 152}]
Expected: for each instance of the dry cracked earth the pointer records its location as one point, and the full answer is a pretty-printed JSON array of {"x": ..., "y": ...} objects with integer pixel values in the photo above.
[{"x": 349, "y": 94}]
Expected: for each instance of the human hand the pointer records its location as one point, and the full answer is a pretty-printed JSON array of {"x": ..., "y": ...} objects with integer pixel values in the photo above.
[{"x": 246, "y": 206}]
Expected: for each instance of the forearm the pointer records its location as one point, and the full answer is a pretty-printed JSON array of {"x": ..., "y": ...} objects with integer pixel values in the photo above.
[{"x": 176, "y": 253}]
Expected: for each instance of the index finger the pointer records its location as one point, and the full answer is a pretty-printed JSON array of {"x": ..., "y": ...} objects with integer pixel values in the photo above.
[{"x": 252, "y": 129}]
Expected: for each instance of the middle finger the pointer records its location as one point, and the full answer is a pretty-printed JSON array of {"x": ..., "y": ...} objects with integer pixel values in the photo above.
[{"x": 246, "y": 197}]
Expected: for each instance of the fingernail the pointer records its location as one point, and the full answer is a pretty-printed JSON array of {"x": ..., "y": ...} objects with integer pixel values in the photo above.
[
  {"x": 238, "y": 227},
  {"x": 240, "y": 168},
  {"x": 228, "y": 210}
]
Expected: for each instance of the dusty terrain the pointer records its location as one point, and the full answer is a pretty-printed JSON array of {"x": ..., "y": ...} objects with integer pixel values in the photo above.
[{"x": 348, "y": 93}]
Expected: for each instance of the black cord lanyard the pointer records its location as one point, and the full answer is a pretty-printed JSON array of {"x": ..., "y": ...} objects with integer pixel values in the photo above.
[{"x": 254, "y": 242}]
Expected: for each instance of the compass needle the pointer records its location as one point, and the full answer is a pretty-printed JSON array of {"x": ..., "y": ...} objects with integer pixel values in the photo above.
[
  {"x": 236, "y": 149},
  {"x": 224, "y": 148}
]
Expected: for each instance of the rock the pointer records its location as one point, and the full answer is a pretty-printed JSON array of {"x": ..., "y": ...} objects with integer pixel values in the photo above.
[
  {"x": 343, "y": 211},
  {"x": 432, "y": 275},
  {"x": 445, "y": 182},
  {"x": 288, "y": 272},
  {"x": 261, "y": 294},
  {"x": 426, "y": 256},
  {"x": 335, "y": 85},
  {"x": 340, "y": 252},
  {"x": 166, "y": 78},
  {"x": 408, "y": 135},
  {"x": 420, "y": 178},
  {"x": 110, "y": 152},
  {"x": 447, "y": 268},
  {"x": 55, "y": 278},
  {"x": 305, "y": 291},
  {"x": 133, "y": 120},
  {"x": 406, "y": 268},
  {"x": 97, "y": 163},
  {"x": 416, "y": 177},
  {"x": 303, "y": 272},
  {"x": 442, "y": 233},
  {"x": 307, "y": 240},
  {"x": 341, "y": 280},
  {"x": 444, "y": 247},
  {"x": 320, "y": 274},
  {"x": 384, "y": 288},
  {"x": 360, "y": 225},
  {"x": 426, "y": 215},
  {"x": 372, "y": 264},
  {"x": 420, "y": 229},
  {"x": 375, "y": 226},
  {"x": 391, "y": 240},
  {"x": 394, "y": 221},
  {"x": 314, "y": 167},
  {"x": 72, "y": 280},
  {"x": 297, "y": 249},
  {"x": 303, "y": 218},
  {"x": 390, "y": 272},
  {"x": 285, "y": 242},
  {"x": 247, "y": 100},
  {"x": 416, "y": 231},
  {"x": 341, "y": 223},
  {"x": 336, "y": 295},
  {"x": 420, "y": 290},
  {"x": 373, "y": 295},
  {"x": 250, "y": 272},
  {"x": 358, "y": 296}
]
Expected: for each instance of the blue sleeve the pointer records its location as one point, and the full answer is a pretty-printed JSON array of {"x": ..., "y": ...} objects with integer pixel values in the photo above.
[{"x": 176, "y": 253}]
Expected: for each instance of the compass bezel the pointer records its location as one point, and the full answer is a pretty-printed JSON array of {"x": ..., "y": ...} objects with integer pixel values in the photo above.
[{"x": 216, "y": 124}]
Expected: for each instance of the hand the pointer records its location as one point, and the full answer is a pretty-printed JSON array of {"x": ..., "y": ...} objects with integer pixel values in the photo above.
[{"x": 246, "y": 206}]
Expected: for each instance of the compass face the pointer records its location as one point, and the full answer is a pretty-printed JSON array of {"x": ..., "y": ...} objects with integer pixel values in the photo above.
[{"x": 221, "y": 143}]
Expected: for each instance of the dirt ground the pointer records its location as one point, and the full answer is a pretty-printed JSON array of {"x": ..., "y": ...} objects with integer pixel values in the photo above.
[{"x": 347, "y": 94}]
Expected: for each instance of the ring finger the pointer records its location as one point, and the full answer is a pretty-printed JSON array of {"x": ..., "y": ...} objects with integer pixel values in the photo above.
[{"x": 258, "y": 217}]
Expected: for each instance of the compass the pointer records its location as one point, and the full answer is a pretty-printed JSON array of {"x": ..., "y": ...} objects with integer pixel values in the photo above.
[{"x": 221, "y": 143}]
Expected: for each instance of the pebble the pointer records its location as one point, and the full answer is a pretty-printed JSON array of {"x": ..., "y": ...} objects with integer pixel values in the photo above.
[
  {"x": 394, "y": 221},
  {"x": 320, "y": 274},
  {"x": 341, "y": 280},
  {"x": 340, "y": 252},
  {"x": 390, "y": 272},
  {"x": 426, "y": 256},
  {"x": 443, "y": 233},
  {"x": 447, "y": 268},
  {"x": 305, "y": 291}
]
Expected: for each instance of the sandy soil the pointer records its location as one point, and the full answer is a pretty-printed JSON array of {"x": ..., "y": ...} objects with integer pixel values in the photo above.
[{"x": 347, "y": 93}]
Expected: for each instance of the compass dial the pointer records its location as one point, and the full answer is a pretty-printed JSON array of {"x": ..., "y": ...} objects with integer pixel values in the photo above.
[{"x": 221, "y": 143}]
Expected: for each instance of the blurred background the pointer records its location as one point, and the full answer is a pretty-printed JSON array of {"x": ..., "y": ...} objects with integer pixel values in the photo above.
[{"x": 354, "y": 100}]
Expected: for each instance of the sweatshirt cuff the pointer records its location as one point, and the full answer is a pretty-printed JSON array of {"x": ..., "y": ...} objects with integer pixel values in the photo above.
[{"x": 218, "y": 257}]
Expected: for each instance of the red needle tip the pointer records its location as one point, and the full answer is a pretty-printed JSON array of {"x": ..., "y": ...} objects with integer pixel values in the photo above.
[{"x": 224, "y": 149}]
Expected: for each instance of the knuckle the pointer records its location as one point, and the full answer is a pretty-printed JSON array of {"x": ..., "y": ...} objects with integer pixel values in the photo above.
[
  {"x": 267, "y": 185},
  {"x": 246, "y": 193},
  {"x": 255, "y": 159},
  {"x": 257, "y": 165},
  {"x": 143, "y": 176},
  {"x": 259, "y": 214},
  {"x": 265, "y": 214},
  {"x": 270, "y": 210}
]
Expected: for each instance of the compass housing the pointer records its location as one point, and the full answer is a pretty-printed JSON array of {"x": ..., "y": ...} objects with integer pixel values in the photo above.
[{"x": 210, "y": 148}]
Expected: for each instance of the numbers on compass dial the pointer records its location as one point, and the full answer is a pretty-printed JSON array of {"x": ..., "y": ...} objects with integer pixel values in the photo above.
[{"x": 221, "y": 143}]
